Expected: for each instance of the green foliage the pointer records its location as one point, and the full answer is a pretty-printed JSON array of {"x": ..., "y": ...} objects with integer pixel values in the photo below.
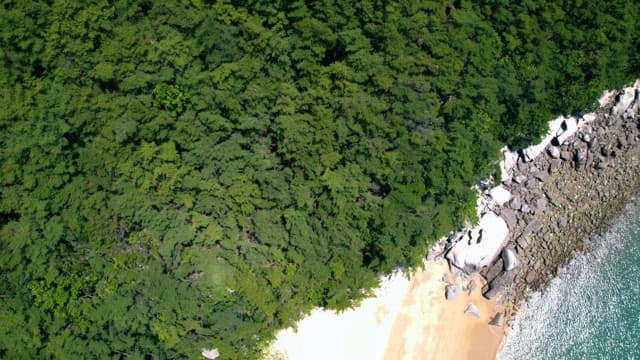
[
  {"x": 187, "y": 175},
  {"x": 169, "y": 97}
]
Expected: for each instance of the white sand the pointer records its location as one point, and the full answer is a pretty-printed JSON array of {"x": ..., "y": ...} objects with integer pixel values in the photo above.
[
  {"x": 409, "y": 319},
  {"x": 360, "y": 333}
]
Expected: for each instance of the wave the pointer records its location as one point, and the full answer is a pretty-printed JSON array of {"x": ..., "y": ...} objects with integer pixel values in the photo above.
[{"x": 591, "y": 310}]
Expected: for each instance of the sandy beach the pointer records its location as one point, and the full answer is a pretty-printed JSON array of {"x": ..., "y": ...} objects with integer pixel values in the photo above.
[
  {"x": 430, "y": 327},
  {"x": 408, "y": 319}
]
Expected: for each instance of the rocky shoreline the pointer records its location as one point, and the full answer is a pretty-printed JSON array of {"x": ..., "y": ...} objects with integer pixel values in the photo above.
[{"x": 561, "y": 196}]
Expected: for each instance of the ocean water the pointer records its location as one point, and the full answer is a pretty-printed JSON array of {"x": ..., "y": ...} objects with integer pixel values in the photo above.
[{"x": 592, "y": 309}]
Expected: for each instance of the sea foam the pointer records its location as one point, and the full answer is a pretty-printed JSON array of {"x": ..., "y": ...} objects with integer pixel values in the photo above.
[{"x": 592, "y": 309}]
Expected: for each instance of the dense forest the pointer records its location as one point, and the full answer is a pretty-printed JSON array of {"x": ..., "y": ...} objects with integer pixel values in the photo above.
[{"x": 180, "y": 175}]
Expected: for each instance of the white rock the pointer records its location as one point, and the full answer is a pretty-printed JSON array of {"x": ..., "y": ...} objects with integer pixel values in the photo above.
[
  {"x": 554, "y": 152},
  {"x": 500, "y": 195},
  {"x": 568, "y": 128},
  {"x": 509, "y": 162},
  {"x": 492, "y": 232},
  {"x": 210, "y": 354},
  {"x": 587, "y": 118},
  {"x": 606, "y": 98},
  {"x": 625, "y": 100}
]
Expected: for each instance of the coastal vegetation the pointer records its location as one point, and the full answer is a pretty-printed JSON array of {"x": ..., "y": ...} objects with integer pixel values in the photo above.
[{"x": 197, "y": 174}]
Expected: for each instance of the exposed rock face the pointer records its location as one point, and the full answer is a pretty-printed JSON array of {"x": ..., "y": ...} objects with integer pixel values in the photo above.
[
  {"x": 480, "y": 246},
  {"x": 562, "y": 191},
  {"x": 583, "y": 188}
]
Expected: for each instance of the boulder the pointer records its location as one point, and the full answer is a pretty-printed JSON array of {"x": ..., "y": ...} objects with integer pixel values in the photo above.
[
  {"x": 565, "y": 155},
  {"x": 496, "y": 285},
  {"x": 522, "y": 242},
  {"x": 523, "y": 166},
  {"x": 494, "y": 270},
  {"x": 515, "y": 203},
  {"x": 542, "y": 175},
  {"x": 580, "y": 158},
  {"x": 472, "y": 310},
  {"x": 554, "y": 166},
  {"x": 519, "y": 179},
  {"x": 509, "y": 217},
  {"x": 553, "y": 152},
  {"x": 211, "y": 354},
  {"x": 509, "y": 259},
  {"x": 532, "y": 227},
  {"x": 452, "y": 292},
  {"x": 491, "y": 292},
  {"x": 569, "y": 126},
  {"x": 541, "y": 204},
  {"x": 500, "y": 195},
  {"x": 624, "y": 100},
  {"x": 492, "y": 230},
  {"x": 497, "y": 320}
]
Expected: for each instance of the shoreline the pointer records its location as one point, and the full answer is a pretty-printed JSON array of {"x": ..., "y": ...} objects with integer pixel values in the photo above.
[
  {"x": 569, "y": 198},
  {"x": 556, "y": 195}
]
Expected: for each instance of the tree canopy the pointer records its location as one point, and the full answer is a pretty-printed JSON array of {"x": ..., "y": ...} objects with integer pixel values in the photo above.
[{"x": 196, "y": 174}]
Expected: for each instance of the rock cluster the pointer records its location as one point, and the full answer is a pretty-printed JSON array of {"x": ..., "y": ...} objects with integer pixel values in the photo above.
[
  {"x": 557, "y": 194},
  {"x": 566, "y": 195}
]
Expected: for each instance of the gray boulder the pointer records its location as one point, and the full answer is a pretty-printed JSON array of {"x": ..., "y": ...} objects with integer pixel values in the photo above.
[
  {"x": 509, "y": 217},
  {"x": 553, "y": 152},
  {"x": 497, "y": 320},
  {"x": 510, "y": 259},
  {"x": 452, "y": 292},
  {"x": 532, "y": 227},
  {"x": 515, "y": 203},
  {"x": 541, "y": 204},
  {"x": 472, "y": 310},
  {"x": 519, "y": 179},
  {"x": 542, "y": 175}
]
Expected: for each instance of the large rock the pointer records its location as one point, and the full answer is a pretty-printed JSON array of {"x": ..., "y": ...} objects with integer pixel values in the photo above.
[
  {"x": 624, "y": 101},
  {"x": 496, "y": 285},
  {"x": 472, "y": 310},
  {"x": 554, "y": 152},
  {"x": 515, "y": 203},
  {"x": 211, "y": 354},
  {"x": 532, "y": 227},
  {"x": 542, "y": 176},
  {"x": 500, "y": 195},
  {"x": 481, "y": 245},
  {"x": 509, "y": 259},
  {"x": 452, "y": 292},
  {"x": 497, "y": 320},
  {"x": 541, "y": 204},
  {"x": 509, "y": 217},
  {"x": 567, "y": 128}
]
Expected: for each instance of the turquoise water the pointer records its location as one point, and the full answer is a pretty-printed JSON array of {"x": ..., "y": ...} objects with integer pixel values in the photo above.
[{"x": 592, "y": 309}]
